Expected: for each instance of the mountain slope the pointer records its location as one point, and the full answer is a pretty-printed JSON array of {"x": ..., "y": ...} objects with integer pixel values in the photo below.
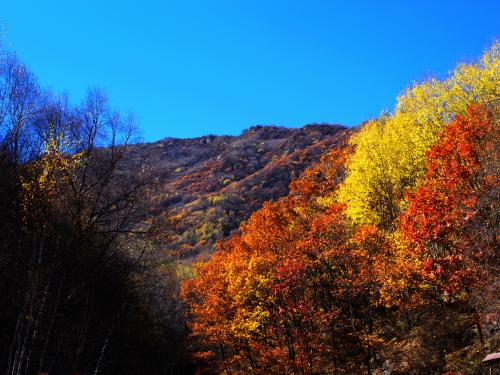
[{"x": 207, "y": 186}]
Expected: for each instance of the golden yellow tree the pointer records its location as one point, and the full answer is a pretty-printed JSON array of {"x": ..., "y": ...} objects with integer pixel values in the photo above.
[{"x": 390, "y": 151}]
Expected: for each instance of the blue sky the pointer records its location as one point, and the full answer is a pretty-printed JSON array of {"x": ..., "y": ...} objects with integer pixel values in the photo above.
[{"x": 188, "y": 68}]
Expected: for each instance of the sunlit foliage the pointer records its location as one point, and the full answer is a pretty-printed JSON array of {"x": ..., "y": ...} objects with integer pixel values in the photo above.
[
  {"x": 382, "y": 257},
  {"x": 390, "y": 151}
]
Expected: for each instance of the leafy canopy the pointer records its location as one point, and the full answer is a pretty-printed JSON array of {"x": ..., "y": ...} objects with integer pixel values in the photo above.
[{"x": 390, "y": 151}]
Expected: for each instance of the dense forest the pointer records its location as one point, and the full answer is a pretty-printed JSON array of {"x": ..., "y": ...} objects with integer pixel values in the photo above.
[
  {"x": 383, "y": 258},
  {"x": 322, "y": 250}
]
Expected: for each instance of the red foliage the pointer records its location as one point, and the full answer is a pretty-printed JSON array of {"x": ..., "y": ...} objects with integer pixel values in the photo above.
[{"x": 451, "y": 219}]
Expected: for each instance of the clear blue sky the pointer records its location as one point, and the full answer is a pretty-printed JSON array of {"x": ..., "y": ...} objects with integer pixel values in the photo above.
[{"x": 188, "y": 68}]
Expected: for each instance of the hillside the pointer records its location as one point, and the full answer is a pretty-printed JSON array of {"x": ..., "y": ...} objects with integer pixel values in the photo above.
[
  {"x": 382, "y": 259},
  {"x": 158, "y": 221},
  {"x": 205, "y": 187}
]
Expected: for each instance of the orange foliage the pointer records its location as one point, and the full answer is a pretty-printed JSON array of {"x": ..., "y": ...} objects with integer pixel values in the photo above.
[
  {"x": 292, "y": 292},
  {"x": 302, "y": 290},
  {"x": 451, "y": 221}
]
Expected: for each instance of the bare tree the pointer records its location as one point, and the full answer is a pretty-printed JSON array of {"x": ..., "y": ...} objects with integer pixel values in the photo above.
[{"x": 19, "y": 94}]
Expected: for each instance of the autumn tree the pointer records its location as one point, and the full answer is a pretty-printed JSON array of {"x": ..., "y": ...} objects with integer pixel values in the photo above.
[
  {"x": 390, "y": 151},
  {"x": 452, "y": 217}
]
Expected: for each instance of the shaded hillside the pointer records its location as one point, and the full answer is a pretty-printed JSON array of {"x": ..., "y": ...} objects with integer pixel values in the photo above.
[{"x": 208, "y": 185}]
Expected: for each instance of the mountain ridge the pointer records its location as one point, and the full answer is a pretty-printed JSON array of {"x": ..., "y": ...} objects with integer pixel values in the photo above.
[{"x": 206, "y": 186}]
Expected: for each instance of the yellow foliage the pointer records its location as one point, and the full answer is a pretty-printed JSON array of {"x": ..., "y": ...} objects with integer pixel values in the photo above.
[
  {"x": 215, "y": 199},
  {"x": 389, "y": 153},
  {"x": 49, "y": 174}
]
